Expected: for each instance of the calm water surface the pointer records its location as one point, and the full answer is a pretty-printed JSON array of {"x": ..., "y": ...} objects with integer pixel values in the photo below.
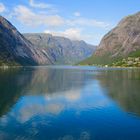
[{"x": 69, "y": 103}]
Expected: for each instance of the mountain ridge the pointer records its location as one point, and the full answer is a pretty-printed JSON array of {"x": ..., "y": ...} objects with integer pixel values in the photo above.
[
  {"x": 121, "y": 42},
  {"x": 61, "y": 50},
  {"x": 15, "y": 49},
  {"x": 18, "y": 49}
]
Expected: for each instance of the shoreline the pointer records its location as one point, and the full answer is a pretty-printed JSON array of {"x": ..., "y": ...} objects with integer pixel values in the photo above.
[{"x": 106, "y": 66}]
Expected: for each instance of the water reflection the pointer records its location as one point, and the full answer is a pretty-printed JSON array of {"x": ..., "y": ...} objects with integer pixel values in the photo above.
[
  {"x": 12, "y": 84},
  {"x": 124, "y": 87},
  {"x": 49, "y": 81},
  {"x": 69, "y": 104},
  {"x": 15, "y": 83}
]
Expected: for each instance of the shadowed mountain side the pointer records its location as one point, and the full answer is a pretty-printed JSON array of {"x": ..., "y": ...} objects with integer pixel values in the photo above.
[{"x": 15, "y": 49}]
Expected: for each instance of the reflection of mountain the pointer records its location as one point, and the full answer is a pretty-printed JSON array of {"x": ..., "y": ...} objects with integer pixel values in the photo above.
[
  {"x": 12, "y": 82},
  {"x": 67, "y": 102},
  {"x": 50, "y": 81},
  {"x": 61, "y": 97},
  {"x": 124, "y": 87},
  {"x": 40, "y": 95},
  {"x": 15, "y": 83}
]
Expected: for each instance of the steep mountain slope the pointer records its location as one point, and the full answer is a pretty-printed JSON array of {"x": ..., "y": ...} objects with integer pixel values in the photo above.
[
  {"x": 121, "y": 42},
  {"x": 15, "y": 49},
  {"x": 61, "y": 50}
]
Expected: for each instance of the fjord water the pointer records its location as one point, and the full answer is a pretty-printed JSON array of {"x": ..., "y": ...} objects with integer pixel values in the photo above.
[{"x": 69, "y": 103}]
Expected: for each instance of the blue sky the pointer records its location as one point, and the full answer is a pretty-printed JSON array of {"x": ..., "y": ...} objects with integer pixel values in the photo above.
[{"x": 87, "y": 20}]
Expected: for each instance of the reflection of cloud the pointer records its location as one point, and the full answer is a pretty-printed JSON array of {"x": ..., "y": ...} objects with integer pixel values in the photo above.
[
  {"x": 3, "y": 135},
  {"x": 54, "y": 104},
  {"x": 30, "y": 107},
  {"x": 83, "y": 136},
  {"x": 70, "y": 95},
  {"x": 29, "y": 111},
  {"x": 54, "y": 108},
  {"x": 3, "y": 120},
  {"x": 67, "y": 137},
  {"x": 73, "y": 95}
]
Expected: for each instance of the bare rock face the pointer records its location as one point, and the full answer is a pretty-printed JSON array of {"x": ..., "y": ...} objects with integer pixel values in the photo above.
[
  {"x": 14, "y": 47},
  {"x": 123, "y": 39},
  {"x": 61, "y": 50}
]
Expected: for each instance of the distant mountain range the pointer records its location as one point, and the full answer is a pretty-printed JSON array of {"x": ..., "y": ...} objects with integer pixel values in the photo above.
[
  {"x": 120, "y": 43},
  {"x": 121, "y": 46},
  {"x": 61, "y": 50},
  {"x": 38, "y": 49}
]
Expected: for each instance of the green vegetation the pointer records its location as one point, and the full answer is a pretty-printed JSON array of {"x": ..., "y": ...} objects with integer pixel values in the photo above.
[
  {"x": 103, "y": 60},
  {"x": 8, "y": 63},
  {"x": 133, "y": 60},
  {"x": 128, "y": 62},
  {"x": 135, "y": 54}
]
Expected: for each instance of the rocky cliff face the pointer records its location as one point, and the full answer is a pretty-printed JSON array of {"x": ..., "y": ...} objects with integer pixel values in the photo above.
[
  {"x": 16, "y": 49},
  {"x": 120, "y": 42},
  {"x": 61, "y": 50},
  {"x": 123, "y": 39}
]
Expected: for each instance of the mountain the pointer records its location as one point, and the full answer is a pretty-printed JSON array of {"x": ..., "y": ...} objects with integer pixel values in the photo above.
[
  {"x": 61, "y": 50},
  {"x": 15, "y": 49},
  {"x": 121, "y": 42}
]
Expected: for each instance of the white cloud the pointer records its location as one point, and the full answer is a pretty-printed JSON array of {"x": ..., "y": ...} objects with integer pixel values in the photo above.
[
  {"x": 2, "y": 8},
  {"x": 75, "y": 28},
  {"x": 71, "y": 33},
  {"x": 39, "y": 5},
  {"x": 30, "y": 18},
  {"x": 77, "y": 14},
  {"x": 87, "y": 22},
  {"x": 37, "y": 18}
]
